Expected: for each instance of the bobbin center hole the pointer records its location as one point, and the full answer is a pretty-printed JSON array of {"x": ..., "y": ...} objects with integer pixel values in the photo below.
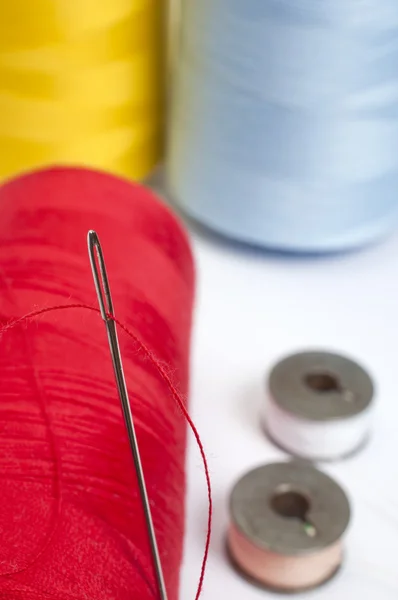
[
  {"x": 322, "y": 382},
  {"x": 290, "y": 504}
]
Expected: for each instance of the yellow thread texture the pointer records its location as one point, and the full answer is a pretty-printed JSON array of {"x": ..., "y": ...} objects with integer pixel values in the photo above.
[{"x": 81, "y": 83}]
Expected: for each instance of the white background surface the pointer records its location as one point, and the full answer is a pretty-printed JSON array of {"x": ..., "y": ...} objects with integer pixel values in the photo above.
[{"x": 253, "y": 308}]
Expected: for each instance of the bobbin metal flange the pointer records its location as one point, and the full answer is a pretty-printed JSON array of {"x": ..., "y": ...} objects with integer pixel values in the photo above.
[
  {"x": 319, "y": 405},
  {"x": 286, "y": 528}
]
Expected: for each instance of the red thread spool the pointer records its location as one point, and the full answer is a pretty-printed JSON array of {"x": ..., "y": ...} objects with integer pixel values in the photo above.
[{"x": 70, "y": 515}]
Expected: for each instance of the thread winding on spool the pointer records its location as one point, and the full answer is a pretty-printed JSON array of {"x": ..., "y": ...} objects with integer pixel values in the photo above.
[
  {"x": 284, "y": 130},
  {"x": 319, "y": 405},
  {"x": 287, "y": 524},
  {"x": 71, "y": 517},
  {"x": 81, "y": 83}
]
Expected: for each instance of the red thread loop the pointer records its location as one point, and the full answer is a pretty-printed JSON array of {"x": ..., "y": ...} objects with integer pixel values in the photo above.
[{"x": 174, "y": 393}]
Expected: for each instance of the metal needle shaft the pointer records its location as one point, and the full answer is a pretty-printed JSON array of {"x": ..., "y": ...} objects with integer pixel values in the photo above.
[{"x": 106, "y": 307}]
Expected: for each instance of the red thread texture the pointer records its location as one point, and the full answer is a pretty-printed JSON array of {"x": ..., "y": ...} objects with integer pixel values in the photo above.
[{"x": 71, "y": 518}]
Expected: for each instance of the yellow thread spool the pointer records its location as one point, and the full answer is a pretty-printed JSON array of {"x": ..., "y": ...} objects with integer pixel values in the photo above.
[{"x": 81, "y": 82}]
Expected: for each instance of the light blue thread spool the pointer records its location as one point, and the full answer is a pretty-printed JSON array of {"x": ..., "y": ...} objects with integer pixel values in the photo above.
[{"x": 284, "y": 129}]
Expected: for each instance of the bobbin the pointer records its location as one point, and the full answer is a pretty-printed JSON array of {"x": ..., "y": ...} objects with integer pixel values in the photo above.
[
  {"x": 319, "y": 405},
  {"x": 286, "y": 528}
]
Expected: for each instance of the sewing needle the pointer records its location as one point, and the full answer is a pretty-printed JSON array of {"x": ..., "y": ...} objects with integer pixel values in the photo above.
[{"x": 101, "y": 283}]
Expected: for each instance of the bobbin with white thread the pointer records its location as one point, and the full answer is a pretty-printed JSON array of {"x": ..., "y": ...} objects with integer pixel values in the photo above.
[
  {"x": 286, "y": 528},
  {"x": 319, "y": 405}
]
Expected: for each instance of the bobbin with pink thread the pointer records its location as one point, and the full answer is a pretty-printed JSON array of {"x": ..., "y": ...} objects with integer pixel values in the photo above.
[{"x": 287, "y": 526}]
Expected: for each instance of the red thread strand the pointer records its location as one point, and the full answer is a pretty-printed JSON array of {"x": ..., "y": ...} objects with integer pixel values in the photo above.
[
  {"x": 176, "y": 396},
  {"x": 195, "y": 432}
]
